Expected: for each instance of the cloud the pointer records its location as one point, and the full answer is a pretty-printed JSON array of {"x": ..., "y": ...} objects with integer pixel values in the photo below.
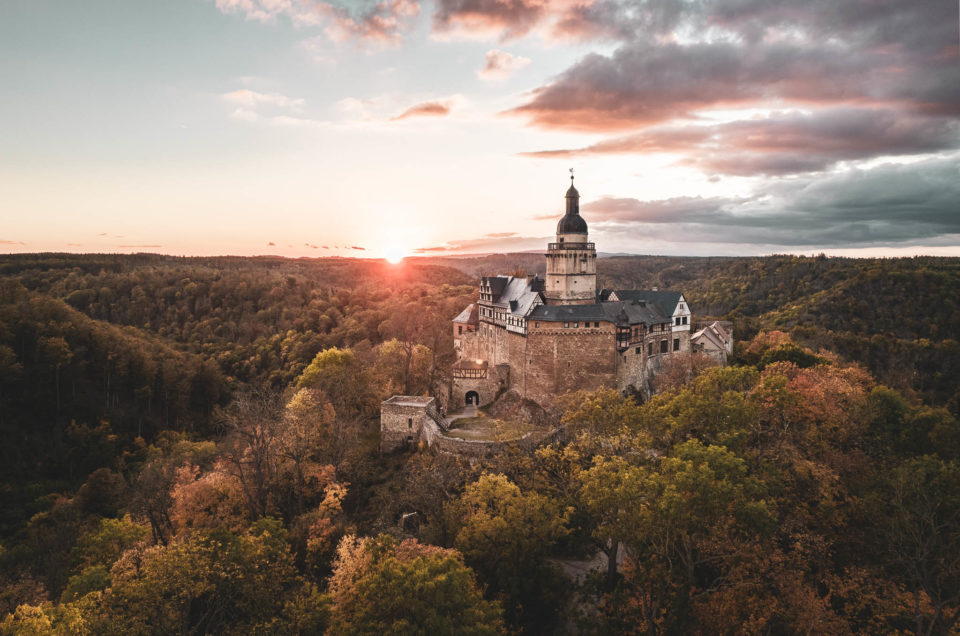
[
  {"x": 384, "y": 22},
  {"x": 488, "y": 18},
  {"x": 355, "y": 247},
  {"x": 500, "y": 234},
  {"x": 887, "y": 205},
  {"x": 786, "y": 142},
  {"x": 253, "y": 99},
  {"x": 141, "y": 246},
  {"x": 491, "y": 244},
  {"x": 677, "y": 60},
  {"x": 432, "y": 109},
  {"x": 102, "y": 234},
  {"x": 500, "y": 64},
  {"x": 9, "y": 242},
  {"x": 272, "y": 244}
]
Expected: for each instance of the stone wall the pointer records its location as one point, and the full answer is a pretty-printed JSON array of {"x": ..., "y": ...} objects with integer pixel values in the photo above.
[
  {"x": 403, "y": 418},
  {"x": 558, "y": 359},
  {"x": 497, "y": 381}
]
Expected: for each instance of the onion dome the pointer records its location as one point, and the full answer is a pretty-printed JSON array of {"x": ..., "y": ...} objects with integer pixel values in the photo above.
[{"x": 572, "y": 222}]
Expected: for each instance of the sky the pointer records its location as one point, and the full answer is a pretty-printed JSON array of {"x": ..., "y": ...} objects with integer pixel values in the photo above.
[{"x": 401, "y": 127}]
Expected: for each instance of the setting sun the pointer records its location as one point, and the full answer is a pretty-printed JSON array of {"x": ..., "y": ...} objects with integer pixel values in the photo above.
[{"x": 394, "y": 254}]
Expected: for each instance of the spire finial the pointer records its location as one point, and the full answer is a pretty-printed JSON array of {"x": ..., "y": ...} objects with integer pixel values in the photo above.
[{"x": 571, "y": 176}]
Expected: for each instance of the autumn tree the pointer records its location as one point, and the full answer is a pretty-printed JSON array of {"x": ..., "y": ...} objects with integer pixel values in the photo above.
[
  {"x": 506, "y": 536},
  {"x": 380, "y": 586}
]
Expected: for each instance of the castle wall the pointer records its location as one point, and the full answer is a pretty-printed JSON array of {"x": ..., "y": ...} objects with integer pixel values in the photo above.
[
  {"x": 562, "y": 359},
  {"x": 487, "y": 389},
  {"x": 402, "y": 421}
]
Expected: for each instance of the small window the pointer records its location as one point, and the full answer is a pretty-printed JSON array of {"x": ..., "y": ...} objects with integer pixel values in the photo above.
[
  {"x": 566, "y": 325},
  {"x": 677, "y": 322},
  {"x": 576, "y": 324},
  {"x": 649, "y": 348},
  {"x": 459, "y": 329},
  {"x": 663, "y": 346},
  {"x": 537, "y": 324},
  {"x": 637, "y": 351},
  {"x": 684, "y": 320},
  {"x": 676, "y": 344},
  {"x": 409, "y": 422},
  {"x": 596, "y": 324}
]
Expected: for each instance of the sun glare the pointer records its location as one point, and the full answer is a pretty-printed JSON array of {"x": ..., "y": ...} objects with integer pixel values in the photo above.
[{"x": 394, "y": 254}]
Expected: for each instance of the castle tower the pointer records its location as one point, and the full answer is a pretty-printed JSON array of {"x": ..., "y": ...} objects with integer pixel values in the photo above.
[{"x": 571, "y": 261}]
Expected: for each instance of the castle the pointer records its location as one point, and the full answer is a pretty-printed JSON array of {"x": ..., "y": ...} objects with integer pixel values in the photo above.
[{"x": 545, "y": 336}]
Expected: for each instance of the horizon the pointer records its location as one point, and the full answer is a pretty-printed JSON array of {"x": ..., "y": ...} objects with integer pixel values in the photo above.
[{"x": 446, "y": 128}]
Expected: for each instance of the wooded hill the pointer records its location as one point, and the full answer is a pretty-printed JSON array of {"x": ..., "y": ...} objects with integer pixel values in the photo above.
[{"x": 190, "y": 446}]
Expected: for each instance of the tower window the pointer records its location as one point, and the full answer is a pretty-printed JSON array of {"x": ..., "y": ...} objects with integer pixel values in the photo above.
[
  {"x": 676, "y": 344},
  {"x": 596, "y": 324},
  {"x": 409, "y": 422}
]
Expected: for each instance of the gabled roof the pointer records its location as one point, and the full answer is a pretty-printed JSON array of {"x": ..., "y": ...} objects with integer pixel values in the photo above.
[
  {"x": 496, "y": 283},
  {"x": 666, "y": 300},
  {"x": 517, "y": 295},
  {"x": 470, "y": 315},
  {"x": 713, "y": 333}
]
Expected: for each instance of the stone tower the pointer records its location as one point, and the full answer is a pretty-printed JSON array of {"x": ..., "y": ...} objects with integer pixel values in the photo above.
[{"x": 571, "y": 261}]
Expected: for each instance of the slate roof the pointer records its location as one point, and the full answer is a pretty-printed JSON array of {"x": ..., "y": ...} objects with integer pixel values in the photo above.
[
  {"x": 517, "y": 295},
  {"x": 665, "y": 300},
  {"x": 470, "y": 315},
  {"x": 715, "y": 333},
  {"x": 621, "y": 313}
]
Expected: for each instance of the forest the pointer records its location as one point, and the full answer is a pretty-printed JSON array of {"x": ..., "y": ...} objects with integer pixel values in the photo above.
[{"x": 191, "y": 447}]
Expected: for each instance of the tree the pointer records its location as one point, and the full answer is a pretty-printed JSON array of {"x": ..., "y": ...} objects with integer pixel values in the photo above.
[
  {"x": 380, "y": 587},
  {"x": 614, "y": 493},
  {"x": 922, "y": 532},
  {"x": 211, "y": 582},
  {"x": 506, "y": 535},
  {"x": 344, "y": 381}
]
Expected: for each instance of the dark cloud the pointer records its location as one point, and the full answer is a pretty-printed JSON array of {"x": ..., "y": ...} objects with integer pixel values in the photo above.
[
  {"x": 890, "y": 204},
  {"x": 790, "y": 142},
  {"x": 434, "y": 109},
  {"x": 857, "y": 52}
]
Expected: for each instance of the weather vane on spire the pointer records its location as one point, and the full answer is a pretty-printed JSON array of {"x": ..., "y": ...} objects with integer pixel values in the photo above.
[{"x": 571, "y": 176}]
